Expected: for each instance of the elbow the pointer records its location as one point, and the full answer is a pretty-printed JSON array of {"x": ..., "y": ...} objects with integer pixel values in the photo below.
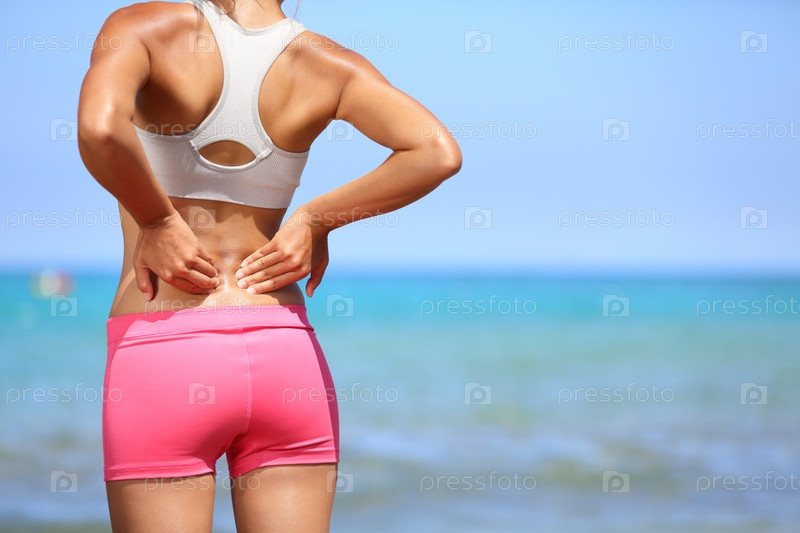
[
  {"x": 98, "y": 129},
  {"x": 446, "y": 158},
  {"x": 95, "y": 132}
]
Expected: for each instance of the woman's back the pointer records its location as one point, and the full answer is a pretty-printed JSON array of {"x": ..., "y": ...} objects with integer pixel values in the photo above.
[{"x": 296, "y": 101}]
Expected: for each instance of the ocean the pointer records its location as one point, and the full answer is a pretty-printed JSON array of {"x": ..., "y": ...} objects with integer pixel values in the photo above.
[{"x": 470, "y": 404}]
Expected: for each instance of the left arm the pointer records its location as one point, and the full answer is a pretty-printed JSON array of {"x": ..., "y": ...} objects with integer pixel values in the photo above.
[{"x": 424, "y": 154}]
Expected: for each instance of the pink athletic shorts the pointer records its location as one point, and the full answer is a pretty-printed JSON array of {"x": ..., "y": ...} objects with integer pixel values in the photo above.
[{"x": 184, "y": 387}]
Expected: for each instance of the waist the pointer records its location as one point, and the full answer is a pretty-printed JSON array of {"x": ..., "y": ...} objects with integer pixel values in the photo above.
[
  {"x": 206, "y": 319},
  {"x": 129, "y": 300}
]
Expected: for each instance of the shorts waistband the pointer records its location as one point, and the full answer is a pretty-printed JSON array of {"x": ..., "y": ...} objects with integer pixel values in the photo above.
[{"x": 206, "y": 319}]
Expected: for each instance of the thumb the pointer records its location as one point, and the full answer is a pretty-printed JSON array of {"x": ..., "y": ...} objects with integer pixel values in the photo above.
[
  {"x": 316, "y": 278},
  {"x": 144, "y": 281}
]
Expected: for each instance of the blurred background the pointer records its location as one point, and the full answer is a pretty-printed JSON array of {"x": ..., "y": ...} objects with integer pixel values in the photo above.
[{"x": 593, "y": 327}]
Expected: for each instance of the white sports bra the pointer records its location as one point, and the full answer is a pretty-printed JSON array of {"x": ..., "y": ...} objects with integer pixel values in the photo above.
[{"x": 271, "y": 178}]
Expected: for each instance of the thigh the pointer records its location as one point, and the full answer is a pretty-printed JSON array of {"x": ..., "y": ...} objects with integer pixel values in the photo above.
[
  {"x": 278, "y": 499},
  {"x": 177, "y": 505}
]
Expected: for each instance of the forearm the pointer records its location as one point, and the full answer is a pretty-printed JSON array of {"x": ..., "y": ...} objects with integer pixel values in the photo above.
[
  {"x": 114, "y": 156},
  {"x": 405, "y": 177}
]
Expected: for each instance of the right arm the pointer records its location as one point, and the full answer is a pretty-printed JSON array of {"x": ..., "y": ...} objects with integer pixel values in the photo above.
[
  {"x": 114, "y": 156},
  {"x": 424, "y": 154}
]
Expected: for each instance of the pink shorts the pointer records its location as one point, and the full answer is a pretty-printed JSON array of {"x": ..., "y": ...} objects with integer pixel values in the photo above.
[{"x": 184, "y": 387}]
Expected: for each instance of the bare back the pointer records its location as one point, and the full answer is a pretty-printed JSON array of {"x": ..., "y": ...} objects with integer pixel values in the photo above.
[{"x": 298, "y": 99}]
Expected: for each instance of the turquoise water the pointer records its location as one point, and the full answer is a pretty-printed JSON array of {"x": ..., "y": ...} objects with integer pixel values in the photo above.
[{"x": 472, "y": 405}]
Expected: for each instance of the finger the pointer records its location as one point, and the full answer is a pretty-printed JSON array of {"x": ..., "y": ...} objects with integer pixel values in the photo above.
[
  {"x": 258, "y": 265},
  {"x": 187, "y": 286},
  {"x": 258, "y": 254},
  {"x": 267, "y": 274},
  {"x": 143, "y": 282},
  {"x": 204, "y": 267},
  {"x": 275, "y": 283},
  {"x": 200, "y": 280},
  {"x": 207, "y": 257},
  {"x": 316, "y": 278}
]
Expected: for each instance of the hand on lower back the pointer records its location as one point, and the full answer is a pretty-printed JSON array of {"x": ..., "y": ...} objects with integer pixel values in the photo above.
[
  {"x": 172, "y": 252},
  {"x": 299, "y": 248}
]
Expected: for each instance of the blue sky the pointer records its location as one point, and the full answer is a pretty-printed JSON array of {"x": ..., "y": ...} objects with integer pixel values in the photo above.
[{"x": 597, "y": 137}]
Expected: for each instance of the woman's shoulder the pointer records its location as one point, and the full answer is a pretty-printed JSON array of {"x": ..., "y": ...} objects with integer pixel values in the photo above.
[
  {"x": 327, "y": 56},
  {"x": 153, "y": 18}
]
